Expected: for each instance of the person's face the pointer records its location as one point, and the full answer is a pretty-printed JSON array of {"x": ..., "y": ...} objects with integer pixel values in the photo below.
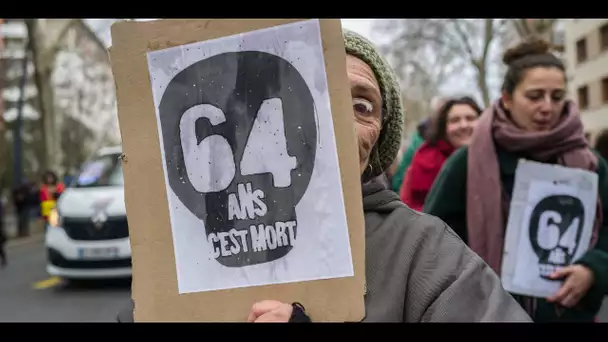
[
  {"x": 460, "y": 124},
  {"x": 367, "y": 106},
  {"x": 538, "y": 100}
]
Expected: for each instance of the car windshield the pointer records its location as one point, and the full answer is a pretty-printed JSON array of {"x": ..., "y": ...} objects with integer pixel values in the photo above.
[{"x": 105, "y": 170}]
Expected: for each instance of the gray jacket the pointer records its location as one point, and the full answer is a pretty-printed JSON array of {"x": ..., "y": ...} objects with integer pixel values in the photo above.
[{"x": 418, "y": 270}]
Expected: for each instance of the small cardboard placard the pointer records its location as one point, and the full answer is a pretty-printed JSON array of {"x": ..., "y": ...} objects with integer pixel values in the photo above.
[
  {"x": 241, "y": 169},
  {"x": 551, "y": 219}
]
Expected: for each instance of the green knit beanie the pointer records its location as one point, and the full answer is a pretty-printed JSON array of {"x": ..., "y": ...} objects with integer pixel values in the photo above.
[{"x": 386, "y": 149}]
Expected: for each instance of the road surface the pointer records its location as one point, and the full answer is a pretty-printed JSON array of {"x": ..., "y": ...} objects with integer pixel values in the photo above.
[{"x": 28, "y": 294}]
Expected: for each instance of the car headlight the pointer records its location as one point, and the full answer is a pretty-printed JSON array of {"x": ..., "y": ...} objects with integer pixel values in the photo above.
[{"x": 55, "y": 219}]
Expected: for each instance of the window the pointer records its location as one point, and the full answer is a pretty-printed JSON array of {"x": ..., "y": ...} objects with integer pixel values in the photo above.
[
  {"x": 105, "y": 170},
  {"x": 605, "y": 90},
  {"x": 583, "y": 97},
  {"x": 581, "y": 50},
  {"x": 604, "y": 37}
]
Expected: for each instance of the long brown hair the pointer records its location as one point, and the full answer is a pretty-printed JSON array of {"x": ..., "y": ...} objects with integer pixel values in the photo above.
[{"x": 437, "y": 131}]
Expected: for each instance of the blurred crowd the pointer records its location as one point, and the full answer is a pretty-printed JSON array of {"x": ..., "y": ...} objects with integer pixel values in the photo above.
[{"x": 31, "y": 203}]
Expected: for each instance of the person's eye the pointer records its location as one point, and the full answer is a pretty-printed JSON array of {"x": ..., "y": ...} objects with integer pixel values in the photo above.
[
  {"x": 534, "y": 95},
  {"x": 558, "y": 96},
  {"x": 362, "y": 106}
]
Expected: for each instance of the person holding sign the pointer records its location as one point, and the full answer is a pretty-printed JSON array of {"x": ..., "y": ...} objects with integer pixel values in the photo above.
[
  {"x": 533, "y": 120},
  {"x": 453, "y": 128},
  {"x": 411, "y": 268},
  {"x": 417, "y": 270}
]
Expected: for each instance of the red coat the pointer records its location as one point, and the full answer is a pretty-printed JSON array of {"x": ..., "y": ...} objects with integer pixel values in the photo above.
[
  {"x": 48, "y": 198},
  {"x": 421, "y": 174}
]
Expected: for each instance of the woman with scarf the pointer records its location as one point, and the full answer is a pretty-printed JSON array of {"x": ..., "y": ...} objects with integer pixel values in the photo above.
[
  {"x": 452, "y": 128},
  {"x": 532, "y": 120},
  {"x": 416, "y": 269}
]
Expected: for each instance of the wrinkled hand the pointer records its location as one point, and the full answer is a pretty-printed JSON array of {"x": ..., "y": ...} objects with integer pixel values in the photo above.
[
  {"x": 270, "y": 311},
  {"x": 579, "y": 280}
]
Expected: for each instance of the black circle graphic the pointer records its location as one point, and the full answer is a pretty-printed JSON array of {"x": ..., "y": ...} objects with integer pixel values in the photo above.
[
  {"x": 238, "y": 83},
  {"x": 568, "y": 208}
]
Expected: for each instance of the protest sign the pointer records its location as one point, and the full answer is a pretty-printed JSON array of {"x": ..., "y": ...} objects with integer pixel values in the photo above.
[
  {"x": 550, "y": 224},
  {"x": 241, "y": 168}
]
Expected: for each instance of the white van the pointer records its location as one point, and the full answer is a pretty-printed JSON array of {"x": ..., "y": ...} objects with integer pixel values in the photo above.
[{"x": 88, "y": 235}]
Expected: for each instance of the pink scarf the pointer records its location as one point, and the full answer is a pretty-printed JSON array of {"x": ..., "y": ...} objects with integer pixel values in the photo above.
[{"x": 487, "y": 207}]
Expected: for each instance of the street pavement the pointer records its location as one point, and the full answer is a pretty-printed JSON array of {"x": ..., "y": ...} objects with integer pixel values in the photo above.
[{"x": 28, "y": 294}]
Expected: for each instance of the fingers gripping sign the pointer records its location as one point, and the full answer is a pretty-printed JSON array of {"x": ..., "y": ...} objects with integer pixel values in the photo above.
[
  {"x": 240, "y": 149},
  {"x": 270, "y": 311},
  {"x": 578, "y": 280}
]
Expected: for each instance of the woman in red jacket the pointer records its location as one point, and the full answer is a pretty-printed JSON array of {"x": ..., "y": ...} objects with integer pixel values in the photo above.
[
  {"x": 451, "y": 129},
  {"x": 50, "y": 190}
]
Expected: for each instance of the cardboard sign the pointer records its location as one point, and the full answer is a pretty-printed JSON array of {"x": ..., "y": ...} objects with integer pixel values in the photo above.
[
  {"x": 550, "y": 225},
  {"x": 241, "y": 168}
]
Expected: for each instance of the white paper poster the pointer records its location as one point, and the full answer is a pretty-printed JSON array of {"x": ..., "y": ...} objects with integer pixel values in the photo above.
[
  {"x": 250, "y": 160},
  {"x": 550, "y": 225}
]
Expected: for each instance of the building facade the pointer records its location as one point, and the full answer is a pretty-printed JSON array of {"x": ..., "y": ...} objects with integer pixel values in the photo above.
[{"x": 586, "y": 42}]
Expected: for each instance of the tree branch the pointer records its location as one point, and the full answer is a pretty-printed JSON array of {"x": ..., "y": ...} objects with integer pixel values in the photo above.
[
  {"x": 417, "y": 37},
  {"x": 55, "y": 46},
  {"x": 63, "y": 33},
  {"x": 428, "y": 32},
  {"x": 520, "y": 27},
  {"x": 464, "y": 39},
  {"x": 31, "y": 24},
  {"x": 488, "y": 37},
  {"x": 544, "y": 25},
  {"x": 94, "y": 38}
]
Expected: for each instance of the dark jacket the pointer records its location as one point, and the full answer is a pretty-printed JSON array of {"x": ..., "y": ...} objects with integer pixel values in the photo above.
[
  {"x": 2, "y": 233},
  {"x": 24, "y": 196},
  {"x": 447, "y": 200},
  {"x": 418, "y": 270}
]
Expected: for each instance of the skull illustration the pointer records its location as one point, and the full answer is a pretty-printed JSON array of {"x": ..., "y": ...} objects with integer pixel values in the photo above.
[
  {"x": 209, "y": 114},
  {"x": 556, "y": 226}
]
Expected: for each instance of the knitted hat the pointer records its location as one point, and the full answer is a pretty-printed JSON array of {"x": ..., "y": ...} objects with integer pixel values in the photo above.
[{"x": 385, "y": 151}]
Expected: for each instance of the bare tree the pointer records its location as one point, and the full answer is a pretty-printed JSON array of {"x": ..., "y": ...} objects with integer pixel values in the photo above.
[
  {"x": 451, "y": 45},
  {"x": 46, "y": 127},
  {"x": 420, "y": 73},
  {"x": 43, "y": 40},
  {"x": 74, "y": 138},
  {"x": 85, "y": 95},
  {"x": 46, "y": 37},
  {"x": 539, "y": 28}
]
